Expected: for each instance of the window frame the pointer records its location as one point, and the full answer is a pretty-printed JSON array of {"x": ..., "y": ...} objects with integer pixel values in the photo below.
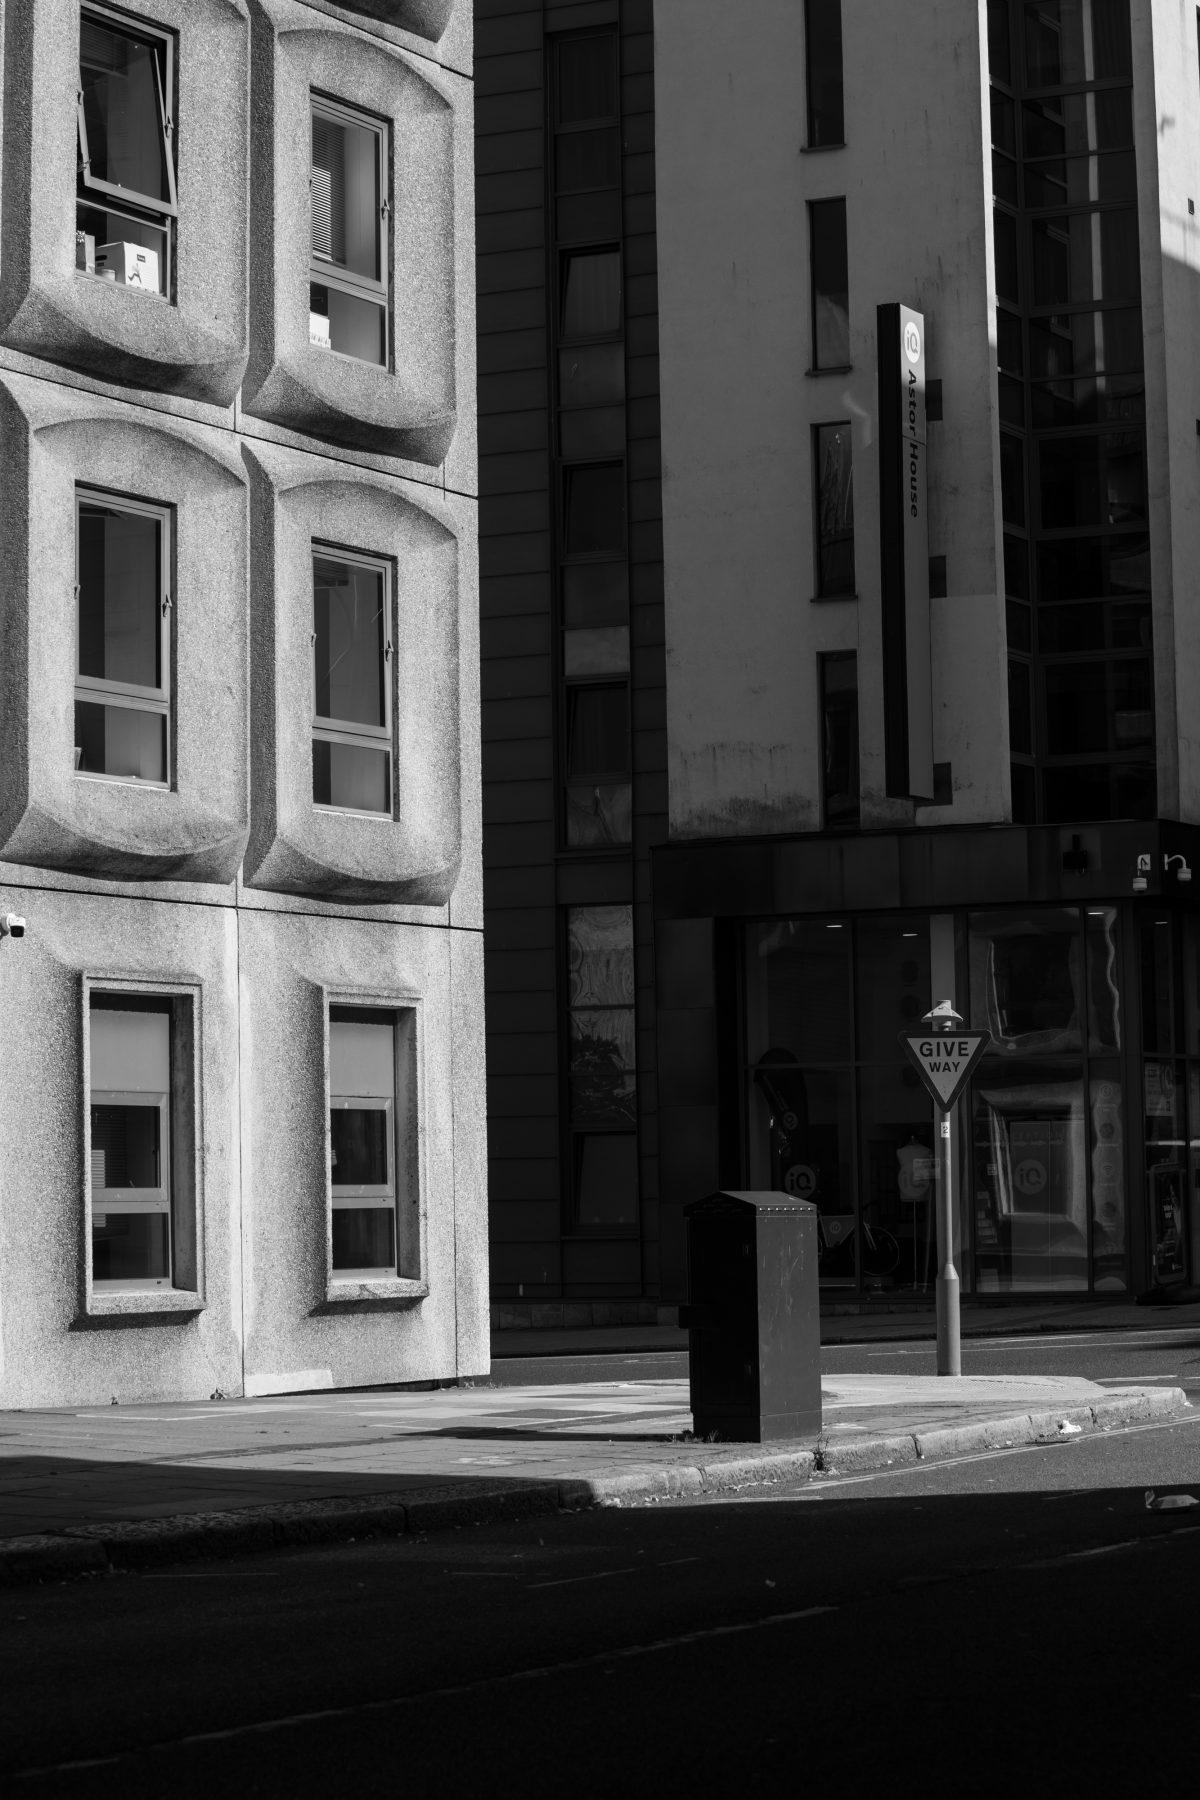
[
  {"x": 401, "y": 1108},
  {"x": 357, "y": 736},
  {"x": 818, "y": 367},
  {"x": 821, "y": 591},
  {"x": 812, "y": 110},
  {"x": 329, "y": 274},
  {"x": 177, "y": 1196},
  {"x": 94, "y": 690},
  {"x": 574, "y": 1133},
  {"x": 163, "y": 213}
]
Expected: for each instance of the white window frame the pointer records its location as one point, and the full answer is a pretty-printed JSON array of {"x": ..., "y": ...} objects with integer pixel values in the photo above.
[
  {"x": 342, "y": 731},
  {"x": 323, "y": 271},
  {"x": 143, "y": 208},
  {"x": 154, "y": 1201},
  {"x": 134, "y": 698},
  {"x": 362, "y": 1196}
]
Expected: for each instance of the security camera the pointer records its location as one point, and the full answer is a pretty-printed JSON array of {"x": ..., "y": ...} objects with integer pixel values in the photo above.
[{"x": 11, "y": 925}]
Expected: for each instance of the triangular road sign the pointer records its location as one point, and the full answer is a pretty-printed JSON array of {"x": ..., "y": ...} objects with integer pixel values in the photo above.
[{"x": 944, "y": 1060}]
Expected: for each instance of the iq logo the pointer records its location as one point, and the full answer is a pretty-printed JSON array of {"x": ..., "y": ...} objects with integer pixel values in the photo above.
[
  {"x": 912, "y": 342},
  {"x": 801, "y": 1181}
]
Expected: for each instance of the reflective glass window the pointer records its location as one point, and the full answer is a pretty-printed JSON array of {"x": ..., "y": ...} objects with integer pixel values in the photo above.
[
  {"x": 830, "y": 284},
  {"x": 349, "y": 213},
  {"x": 362, "y": 1140},
  {"x": 122, "y": 682},
  {"x": 352, "y": 681},
  {"x": 591, "y": 293},
  {"x": 833, "y": 461},
  {"x": 823, "y": 71},
  {"x": 839, "y": 738}
]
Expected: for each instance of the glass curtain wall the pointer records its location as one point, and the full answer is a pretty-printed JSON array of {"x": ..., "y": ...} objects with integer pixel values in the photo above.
[
  {"x": 1048, "y": 1109},
  {"x": 833, "y": 1115},
  {"x": 1072, "y": 409}
]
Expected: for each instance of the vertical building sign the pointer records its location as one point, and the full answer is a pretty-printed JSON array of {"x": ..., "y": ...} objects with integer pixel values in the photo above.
[{"x": 904, "y": 554}]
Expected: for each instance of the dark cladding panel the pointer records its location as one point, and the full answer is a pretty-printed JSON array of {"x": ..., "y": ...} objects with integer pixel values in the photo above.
[{"x": 904, "y": 554}]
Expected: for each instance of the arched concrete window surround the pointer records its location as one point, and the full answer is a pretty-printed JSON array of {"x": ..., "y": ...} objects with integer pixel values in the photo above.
[
  {"x": 295, "y": 847},
  {"x": 197, "y": 345},
  {"x": 427, "y": 18},
  {"x": 408, "y": 409},
  {"x": 53, "y": 439}
]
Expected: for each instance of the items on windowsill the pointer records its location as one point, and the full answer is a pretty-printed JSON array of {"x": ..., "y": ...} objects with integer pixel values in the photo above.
[
  {"x": 129, "y": 265},
  {"x": 318, "y": 330},
  {"x": 85, "y": 252}
]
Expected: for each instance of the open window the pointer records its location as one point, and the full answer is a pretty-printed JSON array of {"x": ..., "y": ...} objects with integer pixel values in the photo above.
[
  {"x": 141, "y": 1222},
  {"x": 352, "y": 682},
  {"x": 350, "y": 207},
  {"x": 123, "y": 638},
  {"x": 375, "y": 1229},
  {"x": 126, "y": 201}
]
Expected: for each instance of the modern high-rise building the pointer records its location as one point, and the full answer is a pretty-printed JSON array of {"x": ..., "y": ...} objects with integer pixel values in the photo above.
[
  {"x": 926, "y": 301},
  {"x": 241, "y": 1069}
]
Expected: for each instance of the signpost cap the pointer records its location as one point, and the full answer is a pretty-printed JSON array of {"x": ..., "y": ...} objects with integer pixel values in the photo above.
[{"x": 942, "y": 1017}]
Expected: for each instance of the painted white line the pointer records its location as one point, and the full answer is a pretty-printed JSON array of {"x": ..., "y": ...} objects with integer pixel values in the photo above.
[{"x": 623, "y": 1653}]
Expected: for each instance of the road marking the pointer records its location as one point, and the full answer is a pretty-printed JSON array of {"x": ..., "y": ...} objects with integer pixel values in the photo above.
[
  {"x": 541, "y": 1672},
  {"x": 571, "y": 1580}
]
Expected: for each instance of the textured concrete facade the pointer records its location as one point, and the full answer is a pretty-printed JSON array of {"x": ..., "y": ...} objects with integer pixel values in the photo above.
[{"x": 225, "y": 892}]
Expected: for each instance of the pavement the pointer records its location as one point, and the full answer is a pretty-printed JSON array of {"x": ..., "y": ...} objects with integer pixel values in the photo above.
[{"x": 96, "y": 1489}]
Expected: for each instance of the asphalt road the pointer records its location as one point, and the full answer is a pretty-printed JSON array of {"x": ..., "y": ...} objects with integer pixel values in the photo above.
[
  {"x": 1167, "y": 1356},
  {"x": 1023, "y": 1618}
]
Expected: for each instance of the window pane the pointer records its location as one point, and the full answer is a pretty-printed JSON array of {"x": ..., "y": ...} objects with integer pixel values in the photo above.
[
  {"x": 1107, "y": 1121},
  {"x": 591, "y": 293},
  {"x": 823, "y": 68},
  {"x": 130, "y": 1246},
  {"x": 1020, "y": 709},
  {"x": 802, "y": 1141},
  {"x": 1092, "y": 568},
  {"x": 121, "y": 741},
  {"x": 595, "y": 594},
  {"x": 1100, "y": 791},
  {"x": 1008, "y": 286},
  {"x": 603, "y": 650},
  {"x": 1097, "y": 400},
  {"x": 119, "y": 82},
  {"x": 1081, "y": 180},
  {"x": 835, "y": 509},
  {"x": 587, "y": 159},
  {"x": 599, "y": 813},
  {"x": 349, "y": 603},
  {"x": 1083, "y": 627},
  {"x": 601, "y": 1066},
  {"x": 892, "y": 979},
  {"x": 1032, "y": 1150},
  {"x": 120, "y": 594},
  {"x": 354, "y": 326},
  {"x": 1085, "y": 256},
  {"x": 126, "y": 1148},
  {"x": 1098, "y": 706},
  {"x": 364, "y": 1237},
  {"x": 362, "y": 1054},
  {"x": 595, "y": 509},
  {"x": 600, "y": 955},
  {"x": 1027, "y": 980},
  {"x": 999, "y": 41},
  {"x": 588, "y": 216},
  {"x": 345, "y": 195},
  {"x": 1157, "y": 960},
  {"x": 1012, "y": 478},
  {"x": 1093, "y": 480},
  {"x": 839, "y": 728},
  {"x": 830, "y": 284},
  {"x": 1077, "y": 123},
  {"x": 595, "y": 431},
  {"x": 606, "y": 1179},
  {"x": 96, "y": 226},
  {"x": 1068, "y": 42},
  {"x": 594, "y": 376},
  {"x": 1104, "y": 975},
  {"x": 597, "y": 729},
  {"x": 1086, "y": 343},
  {"x": 587, "y": 78},
  {"x": 798, "y": 992},
  {"x": 351, "y": 776},
  {"x": 358, "y": 1146}
]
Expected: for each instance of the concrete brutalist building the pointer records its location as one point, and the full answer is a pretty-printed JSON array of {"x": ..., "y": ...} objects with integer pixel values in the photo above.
[{"x": 241, "y": 996}]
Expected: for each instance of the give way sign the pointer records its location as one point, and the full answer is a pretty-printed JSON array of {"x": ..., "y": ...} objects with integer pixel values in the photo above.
[{"x": 944, "y": 1060}]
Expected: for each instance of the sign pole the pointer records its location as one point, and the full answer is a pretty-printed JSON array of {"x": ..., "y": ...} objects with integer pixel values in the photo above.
[
  {"x": 949, "y": 1335},
  {"x": 944, "y": 1055}
]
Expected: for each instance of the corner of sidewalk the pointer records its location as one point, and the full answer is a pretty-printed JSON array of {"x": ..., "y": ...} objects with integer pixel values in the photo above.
[{"x": 106, "y": 1549}]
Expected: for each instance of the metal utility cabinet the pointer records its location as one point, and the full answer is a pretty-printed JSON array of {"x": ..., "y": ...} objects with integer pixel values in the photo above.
[{"x": 753, "y": 1316}]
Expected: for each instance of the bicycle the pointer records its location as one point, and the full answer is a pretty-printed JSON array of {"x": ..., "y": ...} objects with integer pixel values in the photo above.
[{"x": 879, "y": 1251}]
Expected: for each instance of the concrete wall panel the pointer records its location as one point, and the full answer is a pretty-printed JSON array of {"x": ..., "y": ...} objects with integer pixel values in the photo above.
[
  {"x": 197, "y": 345},
  {"x": 298, "y": 1322},
  {"x": 295, "y": 847},
  {"x": 60, "y": 1342},
  {"x": 52, "y": 439},
  {"x": 409, "y": 410}
]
